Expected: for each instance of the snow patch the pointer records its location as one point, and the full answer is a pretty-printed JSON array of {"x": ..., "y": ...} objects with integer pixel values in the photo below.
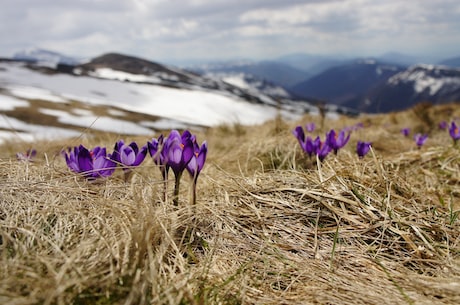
[
  {"x": 115, "y": 112},
  {"x": 163, "y": 124},
  {"x": 10, "y": 103},
  {"x": 31, "y": 132},
  {"x": 82, "y": 112}
]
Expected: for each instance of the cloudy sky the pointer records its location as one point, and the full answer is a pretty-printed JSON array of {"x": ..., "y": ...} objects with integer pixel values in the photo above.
[{"x": 178, "y": 30}]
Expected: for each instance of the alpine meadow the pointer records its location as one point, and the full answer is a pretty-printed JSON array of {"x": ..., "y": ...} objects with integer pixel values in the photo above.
[{"x": 265, "y": 223}]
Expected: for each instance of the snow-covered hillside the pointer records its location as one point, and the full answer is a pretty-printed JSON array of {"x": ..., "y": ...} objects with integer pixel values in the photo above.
[{"x": 71, "y": 101}]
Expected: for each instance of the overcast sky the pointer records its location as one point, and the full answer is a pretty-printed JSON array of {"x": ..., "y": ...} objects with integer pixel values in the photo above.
[{"x": 175, "y": 30}]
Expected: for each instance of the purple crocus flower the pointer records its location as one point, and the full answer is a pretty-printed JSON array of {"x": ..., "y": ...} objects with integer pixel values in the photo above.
[
  {"x": 311, "y": 146},
  {"x": 196, "y": 164},
  {"x": 128, "y": 155},
  {"x": 454, "y": 132},
  {"x": 337, "y": 141},
  {"x": 306, "y": 143},
  {"x": 155, "y": 148},
  {"x": 362, "y": 148},
  {"x": 158, "y": 152},
  {"x": 91, "y": 163},
  {"x": 322, "y": 150},
  {"x": 405, "y": 132},
  {"x": 300, "y": 135},
  {"x": 28, "y": 156},
  {"x": 179, "y": 150},
  {"x": 420, "y": 139},
  {"x": 310, "y": 127}
]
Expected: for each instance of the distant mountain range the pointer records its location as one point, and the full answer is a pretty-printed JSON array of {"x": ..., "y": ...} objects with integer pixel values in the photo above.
[
  {"x": 44, "y": 57},
  {"x": 278, "y": 73},
  {"x": 346, "y": 82},
  {"x": 367, "y": 85}
]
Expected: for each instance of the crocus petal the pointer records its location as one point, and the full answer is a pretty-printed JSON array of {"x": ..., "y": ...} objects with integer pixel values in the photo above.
[
  {"x": 454, "y": 131},
  {"x": 116, "y": 151},
  {"x": 342, "y": 139},
  {"x": 174, "y": 134},
  {"x": 310, "y": 146},
  {"x": 187, "y": 135},
  {"x": 134, "y": 146},
  {"x": 71, "y": 161},
  {"x": 157, "y": 149},
  {"x": 323, "y": 151},
  {"x": 299, "y": 134},
  {"x": 202, "y": 155},
  {"x": 127, "y": 155},
  {"x": 107, "y": 168},
  {"x": 140, "y": 156},
  {"x": 188, "y": 151},
  {"x": 192, "y": 167},
  {"x": 84, "y": 160},
  {"x": 99, "y": 162}
]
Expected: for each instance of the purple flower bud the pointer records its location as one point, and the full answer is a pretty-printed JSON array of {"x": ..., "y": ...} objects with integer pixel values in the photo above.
[
  {"x": 300, "y": 135},
  {"x": 337, "y": 141},
  {"x": 420, "y": 139},
  {"x": 405, "y": 132},
  {"x": 442, "y": 125},
  {"x": 156, "y": 150},
  {"x": 362, "y": 148},
  {"x": 198, "y": 159},
  {"x": 311, "y": 146},
  {"x": 323, "y": 150}
]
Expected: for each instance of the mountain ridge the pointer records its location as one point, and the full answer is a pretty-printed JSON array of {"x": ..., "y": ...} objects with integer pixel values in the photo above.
[{"x": 352, "y": 84}]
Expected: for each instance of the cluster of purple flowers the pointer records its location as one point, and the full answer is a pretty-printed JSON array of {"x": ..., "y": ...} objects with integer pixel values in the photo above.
[
  {"x": 333, "y": 142},
  {"x": 177, "y": 152},
  {"x": 420, "y": 139}
]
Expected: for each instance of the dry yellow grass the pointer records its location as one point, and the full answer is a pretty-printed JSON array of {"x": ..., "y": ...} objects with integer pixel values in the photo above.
[{"x": 269, "y": 227}]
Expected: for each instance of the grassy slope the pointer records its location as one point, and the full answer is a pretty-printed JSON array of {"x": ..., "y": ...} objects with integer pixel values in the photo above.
[{"x": 270, "y": 226}]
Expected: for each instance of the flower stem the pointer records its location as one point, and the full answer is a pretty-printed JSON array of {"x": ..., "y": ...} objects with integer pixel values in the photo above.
[
  {"x": 164, "y": 174},
  {"x": 176, "y": 189},
  {"x": 194, "y": 190}
]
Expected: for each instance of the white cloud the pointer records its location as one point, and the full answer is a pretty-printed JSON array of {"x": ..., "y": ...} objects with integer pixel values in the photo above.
[{"x": 159, "y": 29}]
